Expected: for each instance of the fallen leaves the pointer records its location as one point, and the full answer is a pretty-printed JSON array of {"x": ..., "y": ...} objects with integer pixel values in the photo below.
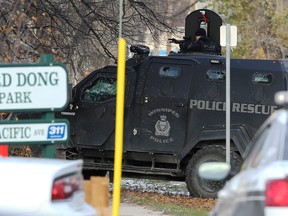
[
  {"x": 187, "y": 202},
  {"x": 20, "y": 151}
]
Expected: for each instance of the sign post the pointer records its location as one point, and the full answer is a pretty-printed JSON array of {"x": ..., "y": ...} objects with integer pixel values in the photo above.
[{"x": 228, "y": 38}]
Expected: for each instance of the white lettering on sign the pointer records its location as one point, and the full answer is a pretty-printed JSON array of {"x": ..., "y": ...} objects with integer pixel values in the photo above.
[
  {"x": 35, "y": 87},
  {"x": 68, "y": 113},
  {"x": 164, "y": 141},
  {"x": 34, "y": 132},
  {"x": 168, "y": 110},
  {"x": 235, "y": 107}
]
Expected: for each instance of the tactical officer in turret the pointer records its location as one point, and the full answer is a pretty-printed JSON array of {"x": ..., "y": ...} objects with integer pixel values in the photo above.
[{"x": 204, "y": 44}]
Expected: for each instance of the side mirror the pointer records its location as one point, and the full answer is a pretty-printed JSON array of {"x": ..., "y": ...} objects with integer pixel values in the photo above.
[{"x": 215, "y": 171}]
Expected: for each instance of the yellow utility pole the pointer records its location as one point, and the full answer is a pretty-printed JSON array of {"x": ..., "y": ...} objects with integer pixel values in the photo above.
[{"x": 119, "y": 126}]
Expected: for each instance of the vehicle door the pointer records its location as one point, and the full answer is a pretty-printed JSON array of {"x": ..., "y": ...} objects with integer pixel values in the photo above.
[
  {"x": 95, "y": 112},
  {"x": 164, "y": 106}
]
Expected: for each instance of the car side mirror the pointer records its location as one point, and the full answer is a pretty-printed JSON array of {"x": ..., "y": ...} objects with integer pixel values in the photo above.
[{"x": 215, "y": 171}]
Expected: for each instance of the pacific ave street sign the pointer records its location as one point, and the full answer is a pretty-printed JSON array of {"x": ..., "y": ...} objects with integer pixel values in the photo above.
[
  {"x": 33, "y": 87},
  {"x": 34, "y": 131}
]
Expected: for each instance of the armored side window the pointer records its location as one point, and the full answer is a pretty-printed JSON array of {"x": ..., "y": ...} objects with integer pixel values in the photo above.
[
  {"x": 170, "y": 71},
  {"x": 262, "y": 78},
  {"x": 216, "y": 75},
  {"x": 102, "y": 89}
]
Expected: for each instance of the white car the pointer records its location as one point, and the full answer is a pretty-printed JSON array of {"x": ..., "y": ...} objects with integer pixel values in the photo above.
[
  {"x": 37, "y": 186},
  {"x": 261, "y": 187}
]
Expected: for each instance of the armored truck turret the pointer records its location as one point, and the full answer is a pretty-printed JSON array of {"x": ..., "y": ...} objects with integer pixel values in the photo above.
[{"x": 174, "y": 112}]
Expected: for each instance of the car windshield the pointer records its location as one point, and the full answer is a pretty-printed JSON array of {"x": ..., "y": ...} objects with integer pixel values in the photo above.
[
  {"x": 104, "y": 88},
  {"x": 268, "y": 146}
]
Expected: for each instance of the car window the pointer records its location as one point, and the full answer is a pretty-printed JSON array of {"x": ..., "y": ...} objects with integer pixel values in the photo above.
[
  {"x": 267, "y": 147},
  {"x": 102, "y": 89},
  {"x": 262, "y": 78},
  {"x": 216, "y": 75},
  {"x": 170, "y": 71}
]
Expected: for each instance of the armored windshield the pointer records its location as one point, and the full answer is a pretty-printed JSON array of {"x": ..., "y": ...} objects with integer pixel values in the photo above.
[{"x": 104, "y": 88}]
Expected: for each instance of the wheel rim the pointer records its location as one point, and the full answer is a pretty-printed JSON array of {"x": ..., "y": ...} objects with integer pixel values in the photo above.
[{"x": 211, "y": 186}]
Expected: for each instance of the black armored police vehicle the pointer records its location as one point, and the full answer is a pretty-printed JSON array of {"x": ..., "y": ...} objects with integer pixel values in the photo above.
[{"x": 174, "y": 110}]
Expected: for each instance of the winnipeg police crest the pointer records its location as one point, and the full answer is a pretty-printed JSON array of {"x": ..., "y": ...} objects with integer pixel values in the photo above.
[{"x": 162, "y": 126}]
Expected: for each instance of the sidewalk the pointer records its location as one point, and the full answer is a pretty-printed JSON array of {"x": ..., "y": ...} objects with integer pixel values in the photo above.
[{"x": 128, "y": 209}]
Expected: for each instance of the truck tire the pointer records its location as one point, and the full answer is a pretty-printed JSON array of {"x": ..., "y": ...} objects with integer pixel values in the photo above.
[{"x": 198, "y": 187}]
